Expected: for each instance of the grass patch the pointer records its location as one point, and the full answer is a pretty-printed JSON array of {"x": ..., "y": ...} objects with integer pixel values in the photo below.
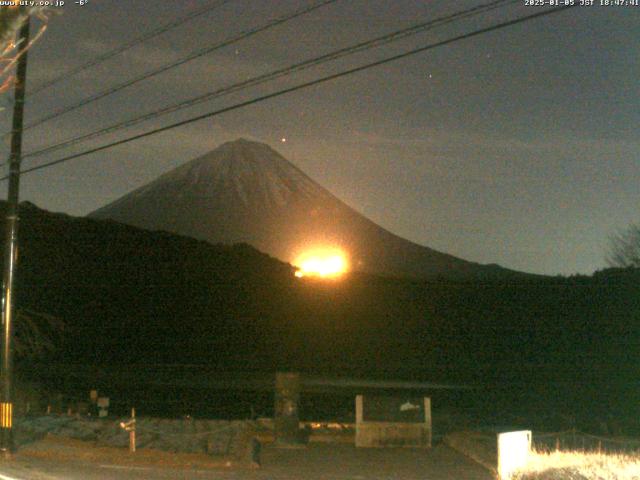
[{"x": 577, "y": 465}]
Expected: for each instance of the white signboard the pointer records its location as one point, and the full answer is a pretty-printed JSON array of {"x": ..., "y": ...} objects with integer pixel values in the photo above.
[{"x": 513, "y": 452}]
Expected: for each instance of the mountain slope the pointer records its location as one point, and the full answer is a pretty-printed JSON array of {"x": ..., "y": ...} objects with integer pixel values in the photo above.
[{"x": 247, "y": 192}]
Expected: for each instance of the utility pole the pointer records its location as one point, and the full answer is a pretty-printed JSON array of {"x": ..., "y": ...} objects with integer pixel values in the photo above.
[{"x": 11, "y": 248}]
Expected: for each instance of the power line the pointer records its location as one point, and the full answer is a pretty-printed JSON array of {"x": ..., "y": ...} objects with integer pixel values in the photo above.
[
  {"x": 126, "y": 46},
  {"x": 197, "y": 54},
  {"x": 260, "y": 79},
  {"x": 300, "y": 87}
]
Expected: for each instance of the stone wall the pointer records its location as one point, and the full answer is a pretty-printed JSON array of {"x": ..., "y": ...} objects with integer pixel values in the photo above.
[{"x": 214, "y": 437}]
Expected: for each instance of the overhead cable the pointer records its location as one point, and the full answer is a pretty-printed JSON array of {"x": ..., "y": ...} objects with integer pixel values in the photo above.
[
  {"x": 126, "y": 46},
  {"x": 169, "y": 66},
  {"x": 263, "y": 78},
  {"x": 301, "y": 86}
]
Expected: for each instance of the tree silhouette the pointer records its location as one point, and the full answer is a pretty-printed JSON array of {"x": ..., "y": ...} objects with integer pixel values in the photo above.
[{"x": 624, "y": 251}]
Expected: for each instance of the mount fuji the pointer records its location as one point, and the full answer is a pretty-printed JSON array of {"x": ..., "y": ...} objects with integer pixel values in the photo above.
[{"x": 246, "y": 192}]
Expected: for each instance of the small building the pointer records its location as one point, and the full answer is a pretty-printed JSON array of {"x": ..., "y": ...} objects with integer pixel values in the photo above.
[{"x": 393, "y": 421}]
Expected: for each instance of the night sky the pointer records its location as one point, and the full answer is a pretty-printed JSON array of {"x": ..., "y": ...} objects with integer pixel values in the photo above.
[{"x": 517, "y": 147}]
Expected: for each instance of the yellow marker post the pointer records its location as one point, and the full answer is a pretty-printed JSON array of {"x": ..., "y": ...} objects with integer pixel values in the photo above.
[{"x": 6, "y": 415}]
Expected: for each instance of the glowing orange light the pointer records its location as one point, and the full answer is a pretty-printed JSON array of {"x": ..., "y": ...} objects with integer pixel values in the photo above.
[{"x": 324, "y": 263}]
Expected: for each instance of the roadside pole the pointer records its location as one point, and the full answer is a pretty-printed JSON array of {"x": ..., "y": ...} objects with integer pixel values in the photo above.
[{"x": 11, "y": 249}]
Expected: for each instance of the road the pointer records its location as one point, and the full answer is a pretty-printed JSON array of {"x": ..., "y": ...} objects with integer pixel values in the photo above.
[{"x": 314, "y": 462}]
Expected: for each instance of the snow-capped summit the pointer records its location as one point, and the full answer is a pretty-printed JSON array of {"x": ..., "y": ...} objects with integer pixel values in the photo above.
[
  {"x": 244, "y": 170},
  {"x": 245, "y": 191}
]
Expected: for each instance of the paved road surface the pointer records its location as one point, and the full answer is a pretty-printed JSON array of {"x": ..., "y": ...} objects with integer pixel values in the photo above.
[{"x": 315, "y": 462}]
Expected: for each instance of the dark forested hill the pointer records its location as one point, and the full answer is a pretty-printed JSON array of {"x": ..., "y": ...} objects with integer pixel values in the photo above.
[{"x": 132, "y": 296}]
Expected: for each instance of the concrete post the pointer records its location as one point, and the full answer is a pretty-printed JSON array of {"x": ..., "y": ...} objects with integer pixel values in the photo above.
[
  {"x": 427, "y": 421},
  {"x": 359, "y": 409},
  {"x": 286, "y": 418}
]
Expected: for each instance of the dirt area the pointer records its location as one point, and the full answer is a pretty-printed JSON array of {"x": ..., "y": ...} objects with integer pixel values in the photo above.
[{"x": 55, "y": 458}]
